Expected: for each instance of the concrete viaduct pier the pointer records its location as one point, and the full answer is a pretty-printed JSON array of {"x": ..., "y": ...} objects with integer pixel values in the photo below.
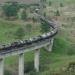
[
  {"x": 36, "y": 62},
  {"x": 1, "y": 66},
  {"x": 21, "y": 64},
  {"x": 21, "y": 57}
]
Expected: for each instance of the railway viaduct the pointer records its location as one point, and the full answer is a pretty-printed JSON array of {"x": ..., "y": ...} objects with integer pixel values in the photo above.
[{"x": 47, "y": 43}]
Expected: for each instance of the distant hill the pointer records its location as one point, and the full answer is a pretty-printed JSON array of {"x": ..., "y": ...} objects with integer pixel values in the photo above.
[{"x": 21, "y": 1}]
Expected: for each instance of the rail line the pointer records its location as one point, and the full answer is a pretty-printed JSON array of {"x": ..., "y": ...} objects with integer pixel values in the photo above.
[
  {"x": 35, "y": 43},
  {"x": 32, "y": 42}
]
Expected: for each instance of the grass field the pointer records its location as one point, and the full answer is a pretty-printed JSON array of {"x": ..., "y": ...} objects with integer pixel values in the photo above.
[
  {"x": 9, "y": 28},
  {"x": 63, "y": 1}
]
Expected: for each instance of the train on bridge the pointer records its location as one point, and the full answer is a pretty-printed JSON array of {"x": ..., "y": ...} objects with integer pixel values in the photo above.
[{"x": 25, "y": 43}]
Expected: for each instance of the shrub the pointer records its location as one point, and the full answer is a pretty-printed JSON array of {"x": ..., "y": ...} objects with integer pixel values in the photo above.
[
  {"x": 7, "y": 72},
  {"x": 29, "y": 66},
  {"x": 57, "y": 13},
  {"x": 61, "y": 5},
  {"x": 71, "y": 67},
  {"x": 60, "y": 45},
  {"x": 44, "y": 14},
  {"x": 20, "y": 33},
  {"x": 24, "y": 15},
  {"x": 34, "y": 19},
  {"x": 71, "y": 49},
  {"x": 50, "y": 3},
  {"x": 44, "y": 27},
  {"x": 10, "y": 9}
]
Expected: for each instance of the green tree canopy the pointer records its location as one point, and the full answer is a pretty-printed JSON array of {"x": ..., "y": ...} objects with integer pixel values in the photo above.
[
  {"x": 57, "y": 13},
  {"x": 10, "y": 9},
  {"x": 44, "y": 27},
  {"x": 24, "y": 15},
  {"x": 61, "y": 5},
  {"x": 50, "y": 3}
]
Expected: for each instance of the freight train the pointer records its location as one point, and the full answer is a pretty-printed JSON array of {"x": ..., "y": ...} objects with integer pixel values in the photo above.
[{"x": 23, "y": 43}]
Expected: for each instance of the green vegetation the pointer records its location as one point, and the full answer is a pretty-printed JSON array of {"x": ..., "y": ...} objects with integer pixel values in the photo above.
[
  {"x": 44, "y": 27},
  {"x": 20, "y": 33},
  {"x": 29, "y": 28},
  {"x": 50, "y": 3},
  {"x": 10, "y": 9},
  {"x": 57, "y": 13},
  {"x": 9, "y": 30},
  {"x": 61, "y": 5},
  {"x": 44, "y": 14},
  {"x": 61, "y": 61},
  {"x": 24, "y": 15}
]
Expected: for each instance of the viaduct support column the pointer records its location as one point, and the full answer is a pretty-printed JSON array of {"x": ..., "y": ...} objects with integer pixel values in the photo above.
[
  {"x": 36, "y": 60},
  {"x": 2, "y": 66},
  {"x": 50, "y": 45},
  {"x": 21, "y": 64}
]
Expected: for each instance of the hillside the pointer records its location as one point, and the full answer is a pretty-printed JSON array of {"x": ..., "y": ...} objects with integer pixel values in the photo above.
[
  {"x": 21, "y": 1},
  {"x": 63, "y": 54},
  {"x": 7, "y": 34}
]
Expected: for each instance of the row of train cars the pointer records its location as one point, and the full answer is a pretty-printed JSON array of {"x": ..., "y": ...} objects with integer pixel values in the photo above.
[{"x": 23, "y": 43}]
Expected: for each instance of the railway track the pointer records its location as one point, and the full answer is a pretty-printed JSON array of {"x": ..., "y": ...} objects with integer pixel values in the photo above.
[
  {"x": 23, "y": 46},
  {"x": 35, "y": 43}
]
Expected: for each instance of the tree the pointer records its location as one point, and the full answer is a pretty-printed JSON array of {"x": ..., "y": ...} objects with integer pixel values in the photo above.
[
  {"x": 43, "y": 3},
  {"x": 10, "y": 9},
  {"x": 50, "y": 3},
  {"x": 44, "y": 14},
  {"x": 24, "y": 15},
  {"x": 20, "y": 33},
  {"x": 61, "y": 5},
  {"x": 44, "y": 27},
  {"x": 57, "y": 13},
  {"x": 34, "y": 19}
]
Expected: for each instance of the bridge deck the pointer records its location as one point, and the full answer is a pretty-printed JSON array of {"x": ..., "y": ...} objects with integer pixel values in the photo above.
[{"x": 24, "y": 49}]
